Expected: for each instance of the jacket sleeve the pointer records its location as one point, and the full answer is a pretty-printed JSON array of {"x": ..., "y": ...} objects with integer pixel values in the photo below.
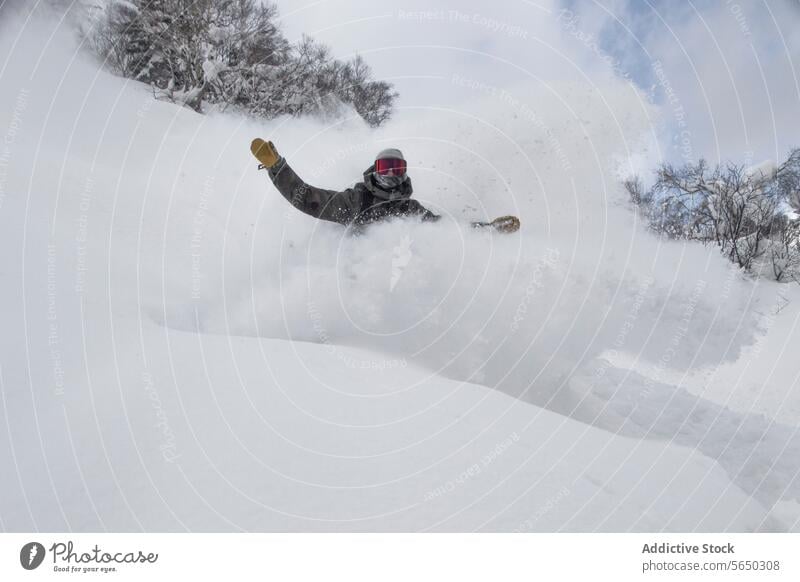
[
  {"x": 341, "y": 207},
  {"x": 425, "y": 214}
]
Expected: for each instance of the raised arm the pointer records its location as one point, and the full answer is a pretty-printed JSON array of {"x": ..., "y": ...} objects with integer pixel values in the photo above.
[{"x": 335, "y": 206}]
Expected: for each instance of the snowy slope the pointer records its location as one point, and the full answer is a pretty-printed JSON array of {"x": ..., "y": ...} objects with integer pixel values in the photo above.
[
  {"x": 254, "y": 440},
  {"x": 180, "y": 349}
]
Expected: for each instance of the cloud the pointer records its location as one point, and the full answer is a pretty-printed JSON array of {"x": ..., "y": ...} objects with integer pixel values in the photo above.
[
  {"x": 420, "y": 45},
  {"x": 726, "y": 73}
]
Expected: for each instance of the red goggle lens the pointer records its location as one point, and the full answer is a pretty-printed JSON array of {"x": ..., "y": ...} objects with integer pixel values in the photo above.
[{"x": 397, "y": 166}]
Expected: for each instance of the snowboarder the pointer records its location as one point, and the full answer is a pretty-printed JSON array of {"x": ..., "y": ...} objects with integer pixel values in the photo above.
[{"x": 385, "y": 192}]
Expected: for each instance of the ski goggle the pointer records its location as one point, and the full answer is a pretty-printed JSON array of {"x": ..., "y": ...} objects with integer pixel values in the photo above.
[{"x": 396, "y": 165}]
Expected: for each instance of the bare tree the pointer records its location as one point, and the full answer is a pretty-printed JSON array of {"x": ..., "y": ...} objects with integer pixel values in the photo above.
[
  {"x": 742, "y": 212},
  {"x": 784, "y": 254}
]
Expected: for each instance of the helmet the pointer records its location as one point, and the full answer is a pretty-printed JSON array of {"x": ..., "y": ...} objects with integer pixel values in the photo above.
[{"x": 390, "y": 168}]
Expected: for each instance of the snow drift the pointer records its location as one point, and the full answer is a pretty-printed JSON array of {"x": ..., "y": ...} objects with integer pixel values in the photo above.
[{"x": 160, "y": 301}]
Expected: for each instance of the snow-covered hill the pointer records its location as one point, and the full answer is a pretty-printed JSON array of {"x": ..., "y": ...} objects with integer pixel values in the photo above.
[{"x": 180, "y": 349}]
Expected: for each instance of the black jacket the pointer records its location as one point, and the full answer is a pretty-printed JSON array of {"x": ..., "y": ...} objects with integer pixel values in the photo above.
[{"x": 358, "y": 205}]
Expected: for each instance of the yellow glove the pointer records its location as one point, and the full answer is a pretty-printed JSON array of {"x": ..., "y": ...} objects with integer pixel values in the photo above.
[
  {"x": 264, "y": 152},
  {"x": 506, "y": 224}
]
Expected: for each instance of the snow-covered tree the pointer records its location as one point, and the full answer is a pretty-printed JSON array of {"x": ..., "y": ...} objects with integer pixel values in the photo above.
[
  {"x": 223, "y": 53},
  {"x": 743, "y": 211},
  {"x": 372, "y": 100}
]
